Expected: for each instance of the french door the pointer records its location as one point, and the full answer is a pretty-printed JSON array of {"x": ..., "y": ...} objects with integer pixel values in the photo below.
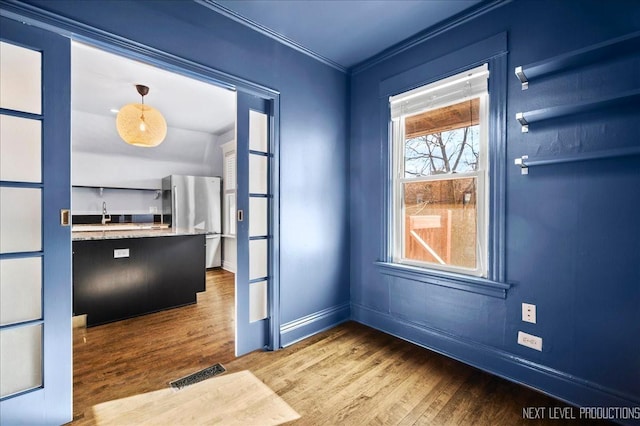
[
  {"x": 254, "y": 229},
  {"x": 35, "y": 239}
]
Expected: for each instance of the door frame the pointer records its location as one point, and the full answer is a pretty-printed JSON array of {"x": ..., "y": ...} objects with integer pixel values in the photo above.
[{"x": 131, "y": 49}]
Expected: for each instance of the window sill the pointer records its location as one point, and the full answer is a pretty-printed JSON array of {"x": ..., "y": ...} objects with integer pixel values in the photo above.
[{"x": 446, "y": 279}]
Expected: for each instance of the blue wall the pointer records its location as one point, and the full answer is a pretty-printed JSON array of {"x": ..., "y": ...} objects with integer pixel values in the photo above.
[
  {"x": 313, "y": 138},
  {"x": 572, "y": 230}
]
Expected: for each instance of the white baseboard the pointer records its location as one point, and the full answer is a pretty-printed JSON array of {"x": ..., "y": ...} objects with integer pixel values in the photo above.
[{"x": 229, "y": 266}]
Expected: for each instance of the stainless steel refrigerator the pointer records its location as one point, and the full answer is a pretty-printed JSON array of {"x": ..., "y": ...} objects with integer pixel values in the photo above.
[{"x": 193, "y": 203}]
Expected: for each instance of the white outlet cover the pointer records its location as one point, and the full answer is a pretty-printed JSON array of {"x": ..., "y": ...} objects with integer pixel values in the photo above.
[
  {"x": 530, "y": 341},
  {"x": 120, "y": 253},
  {"x": 529, "y": 313}
]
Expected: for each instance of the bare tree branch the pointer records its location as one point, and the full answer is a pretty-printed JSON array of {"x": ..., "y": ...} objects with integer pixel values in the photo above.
[
  {"x": 464, "y": 142},
  {"x": 443, "y": 150}
]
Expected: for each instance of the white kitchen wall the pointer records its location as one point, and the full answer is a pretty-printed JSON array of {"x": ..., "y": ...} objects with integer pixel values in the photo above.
[
  {"x": 101, "y": 159},
  {"x": 120, "y": 171}
]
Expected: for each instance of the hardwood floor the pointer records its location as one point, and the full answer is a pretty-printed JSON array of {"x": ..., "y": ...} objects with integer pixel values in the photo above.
[
  {"x": 144, "y": 354},
  {"x": 349, "y": 375}
]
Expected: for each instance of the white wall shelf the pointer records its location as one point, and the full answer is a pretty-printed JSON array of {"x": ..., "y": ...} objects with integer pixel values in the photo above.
[{"x": 103, "y": 187}]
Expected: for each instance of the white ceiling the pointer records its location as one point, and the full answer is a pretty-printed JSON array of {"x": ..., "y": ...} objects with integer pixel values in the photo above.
[{"x": 102, "y": 81}]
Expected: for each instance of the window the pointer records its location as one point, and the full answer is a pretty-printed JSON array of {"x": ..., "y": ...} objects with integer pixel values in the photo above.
[{"x": 440, "y": 191}]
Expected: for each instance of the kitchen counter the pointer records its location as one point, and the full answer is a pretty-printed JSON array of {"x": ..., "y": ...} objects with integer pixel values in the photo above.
[
  {"x": 121, "y": 273},
  {"x": 113, "y": 232}
]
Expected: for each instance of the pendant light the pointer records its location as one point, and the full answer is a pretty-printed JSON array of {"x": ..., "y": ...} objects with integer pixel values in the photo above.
[{"x": 140, "y": 124}]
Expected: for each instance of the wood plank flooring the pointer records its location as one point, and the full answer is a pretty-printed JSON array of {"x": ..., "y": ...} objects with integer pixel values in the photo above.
[
  {"x": 349, "y": 375},
  {"x": 144, "y": 354}
]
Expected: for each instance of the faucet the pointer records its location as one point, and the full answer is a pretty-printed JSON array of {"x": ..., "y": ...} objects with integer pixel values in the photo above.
[{"x": 105, "y": 217}]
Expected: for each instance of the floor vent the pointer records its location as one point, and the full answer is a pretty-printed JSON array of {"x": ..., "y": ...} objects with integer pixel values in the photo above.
[{"x": 198, "y": 376}]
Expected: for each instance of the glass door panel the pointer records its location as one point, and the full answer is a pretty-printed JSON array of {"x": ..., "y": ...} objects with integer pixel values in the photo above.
[
  {"x": 258, "y": 217},
  {"x": 20, "y": 79},
  {"x": 20, "y": 359},
  {"x": 20, "y": 149},
  {"x": 258, "y": 257},
  {"x": 258, "y": 300},
  {"x": 20, "y": 219},
  {"x": 258, "y": 133},
  {"x": 258, "y": 173},
  {"x": 20, "y": 290}
]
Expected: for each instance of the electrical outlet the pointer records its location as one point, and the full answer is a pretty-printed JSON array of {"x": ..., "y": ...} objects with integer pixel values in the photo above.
[
  {"x": 529, "y": 313},
  {"x": 529, "y": 340},
  {"x": 120, "y": 253}
]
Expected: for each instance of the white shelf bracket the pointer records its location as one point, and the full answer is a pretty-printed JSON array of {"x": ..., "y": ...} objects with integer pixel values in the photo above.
[
  {"x": 523, "y": 78},
  {"x": 523, "y": 122},
  {"x": 524, "y": 169}
]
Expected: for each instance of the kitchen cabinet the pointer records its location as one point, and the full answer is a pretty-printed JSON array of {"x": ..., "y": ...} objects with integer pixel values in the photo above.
[{"x": 119, "y": 278}]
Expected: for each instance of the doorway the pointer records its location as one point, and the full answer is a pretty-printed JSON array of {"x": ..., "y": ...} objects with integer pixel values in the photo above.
[
  {"x": 109, "y": 174},
  {"x": 54, "y": 43}
]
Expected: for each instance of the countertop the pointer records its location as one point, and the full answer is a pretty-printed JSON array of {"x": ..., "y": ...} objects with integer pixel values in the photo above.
[{"x": 107, "y": 232}]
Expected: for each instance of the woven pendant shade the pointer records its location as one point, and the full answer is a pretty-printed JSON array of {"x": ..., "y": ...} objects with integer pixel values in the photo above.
[{"x": 140, "y": 124}]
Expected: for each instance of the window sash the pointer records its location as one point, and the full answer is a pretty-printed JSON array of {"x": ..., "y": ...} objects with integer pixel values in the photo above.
[{"x": 400, "y": 251}]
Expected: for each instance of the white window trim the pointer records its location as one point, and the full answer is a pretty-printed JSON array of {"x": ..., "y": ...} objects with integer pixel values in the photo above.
[{"x": 396, "y": 240}]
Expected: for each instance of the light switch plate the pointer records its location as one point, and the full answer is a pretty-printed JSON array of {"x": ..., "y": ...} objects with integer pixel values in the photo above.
[{"x": 529, "y": 313}]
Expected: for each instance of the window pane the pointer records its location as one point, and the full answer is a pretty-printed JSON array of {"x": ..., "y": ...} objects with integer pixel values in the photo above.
[
  {"x": 443, "y": 140},
  {"x": 440, "y": 222}
]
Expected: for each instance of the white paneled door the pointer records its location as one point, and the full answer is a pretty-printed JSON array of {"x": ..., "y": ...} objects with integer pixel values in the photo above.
[
  {"x": 35, "y": 247},
  {"x": 254, "y": 237}
]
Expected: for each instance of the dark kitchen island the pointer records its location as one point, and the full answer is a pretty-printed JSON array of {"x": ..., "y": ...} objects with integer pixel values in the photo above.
[{"x": 120, "y": 274}]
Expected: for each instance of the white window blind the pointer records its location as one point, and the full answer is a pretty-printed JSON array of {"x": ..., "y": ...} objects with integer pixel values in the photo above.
[
  {"x": 444, "y": 92},
  {"x": 230, "y": 171}
]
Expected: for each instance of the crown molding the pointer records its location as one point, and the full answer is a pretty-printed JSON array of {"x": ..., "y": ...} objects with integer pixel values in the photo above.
[
  {"x": 218, "y": 8},
  {"x": 428, "y": 33}
]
